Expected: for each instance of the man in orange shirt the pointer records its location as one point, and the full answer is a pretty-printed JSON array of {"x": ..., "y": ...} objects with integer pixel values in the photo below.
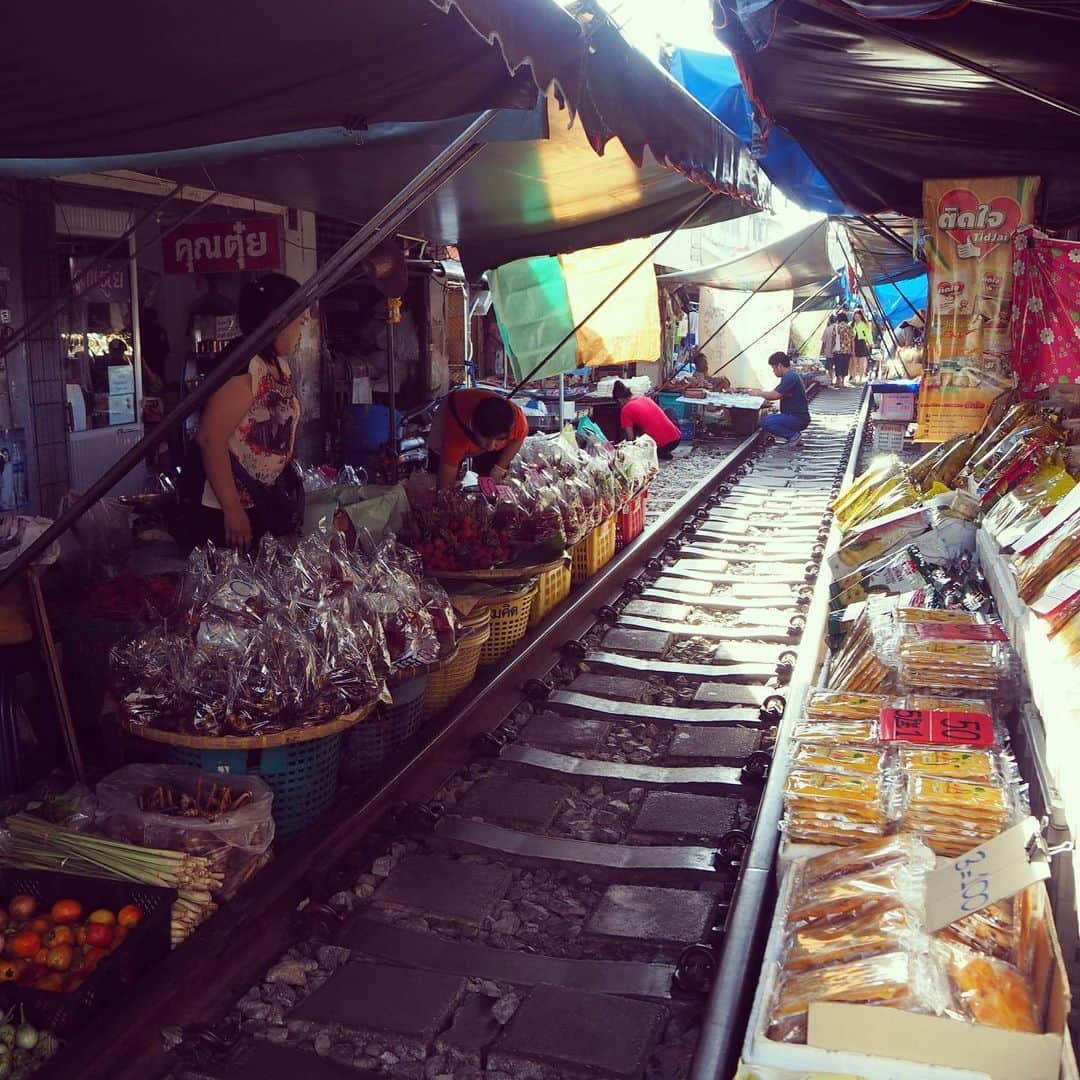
[{"x": 480, "y": 424}]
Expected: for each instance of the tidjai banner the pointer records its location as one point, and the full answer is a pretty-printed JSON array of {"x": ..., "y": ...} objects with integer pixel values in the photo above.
[{"x": 969, "y": 249}]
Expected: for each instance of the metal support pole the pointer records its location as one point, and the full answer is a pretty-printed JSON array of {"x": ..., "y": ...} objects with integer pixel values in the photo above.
[
  {"x": 391, "y": 388},
  {"x": 562, "y": 398},
  {"x": 367, "y": 237}
]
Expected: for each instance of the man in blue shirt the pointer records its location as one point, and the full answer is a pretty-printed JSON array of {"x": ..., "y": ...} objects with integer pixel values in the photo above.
[{"x": 794, "y": 414}]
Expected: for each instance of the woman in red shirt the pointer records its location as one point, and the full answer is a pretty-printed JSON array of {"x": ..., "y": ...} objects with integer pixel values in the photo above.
[
  {"x": 480, "y": 424},
  {"x": 642, "y": 413}
]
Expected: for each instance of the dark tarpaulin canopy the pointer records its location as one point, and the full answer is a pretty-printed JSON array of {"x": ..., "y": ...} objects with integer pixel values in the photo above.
[
  {"x": 791, "y": 262},
  {"x": 883, "y": 246},
  {"x": 878, "y": 115},
  {"x": 517, "y": 198}
]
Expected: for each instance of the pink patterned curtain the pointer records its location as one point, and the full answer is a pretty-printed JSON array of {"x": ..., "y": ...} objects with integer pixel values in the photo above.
[{"x": 1046, "y": 311}]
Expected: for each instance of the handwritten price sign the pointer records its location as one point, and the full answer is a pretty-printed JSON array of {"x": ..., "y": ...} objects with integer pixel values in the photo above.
[{"x": 993, "y": 871}]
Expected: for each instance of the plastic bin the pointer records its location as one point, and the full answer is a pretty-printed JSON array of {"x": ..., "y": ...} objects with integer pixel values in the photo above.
[
  {"x": 594, "y": 552},
  {"x": 445, "y": 683},
  {"x": 114, "y": 980},
  {"x": 303, "y": 776},
  {"x": 669, "y": 399},
  {"x": 365, "y": 428},
  {"x": 552, "y": 588},
  {"x": 888, "y": 438},
  {"x": 379, "y": 737},
  {"x": 630, "y": 523},
  {"x": 509, "y": 621}
]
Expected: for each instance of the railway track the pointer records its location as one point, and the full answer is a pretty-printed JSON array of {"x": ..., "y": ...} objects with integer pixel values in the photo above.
[{"x": 551, "y": 887}]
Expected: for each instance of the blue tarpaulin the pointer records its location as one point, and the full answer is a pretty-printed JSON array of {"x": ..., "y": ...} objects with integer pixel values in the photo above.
[
  {"x": 892, "y": 298},
  {"x": 713, "y": 79}
]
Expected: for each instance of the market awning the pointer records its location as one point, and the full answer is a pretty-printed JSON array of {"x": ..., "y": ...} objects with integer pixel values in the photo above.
[
  {"x": 522, "y": 196},
  {"x": 252, "y": 69},
  {"x": 883, "y": 245},
  {"x": 515, "y": 199},
  {"x": 798, "y": 259},
  {"x": 714, "y": 80},
  {"x": 877, "y": 113}
]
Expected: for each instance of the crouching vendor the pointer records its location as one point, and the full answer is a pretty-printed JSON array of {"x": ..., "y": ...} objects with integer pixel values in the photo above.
[
  {"x": 794, "y": 415},
  {"x": 478, "y": 424}
]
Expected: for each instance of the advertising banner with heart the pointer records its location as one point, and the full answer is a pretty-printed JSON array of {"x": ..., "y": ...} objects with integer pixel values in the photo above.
[{"x": 970, "y": 225}]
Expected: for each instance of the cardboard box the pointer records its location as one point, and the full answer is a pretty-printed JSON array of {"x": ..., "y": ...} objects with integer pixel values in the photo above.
[
  {"x": 895, "y": 407},
  {"x": 879, "y": 1043}
]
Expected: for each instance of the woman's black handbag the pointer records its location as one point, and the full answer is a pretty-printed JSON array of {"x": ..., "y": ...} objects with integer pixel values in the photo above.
[{"x": 280, "y": 505}]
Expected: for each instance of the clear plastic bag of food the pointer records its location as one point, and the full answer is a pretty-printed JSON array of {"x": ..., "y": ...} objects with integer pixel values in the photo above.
[
  {"x": 992, "y": 992},
  {"x": 993, "y": 931},
  {"x": 953, "y": 816},
  {"x": 840, "y": 732},
  {"x": 881, "y": 929},
  {"x": 823, "y": 757},
  {"x": 954, "y": 764},
  {"x": 897, "y": 849},
  {"x": 836, "y": 899},
  {"x": 844, "y": 705},
  {"x": 903, "y": 980},
  {"x": 179, "y": 808}
]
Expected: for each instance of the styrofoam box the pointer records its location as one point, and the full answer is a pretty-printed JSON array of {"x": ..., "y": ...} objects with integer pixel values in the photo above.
[
  {"x": 895, "y": 407},
  {"x": 907, "y": 1029}
]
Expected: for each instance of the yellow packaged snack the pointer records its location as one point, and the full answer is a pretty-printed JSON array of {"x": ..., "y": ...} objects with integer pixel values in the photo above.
[
  {"x": 957, "y": 764},
  {"x": 828, "y": 758}
]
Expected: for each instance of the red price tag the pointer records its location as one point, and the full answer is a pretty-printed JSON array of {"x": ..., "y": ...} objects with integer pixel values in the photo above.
[
  {"x": 905, "y": 725},
  {"x": 949, "y": 728}
]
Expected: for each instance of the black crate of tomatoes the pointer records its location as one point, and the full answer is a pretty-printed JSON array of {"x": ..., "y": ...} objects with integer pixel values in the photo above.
[{"x": 74, "y": 944}]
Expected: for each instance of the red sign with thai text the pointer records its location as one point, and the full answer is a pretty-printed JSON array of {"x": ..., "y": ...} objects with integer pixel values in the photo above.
[
  {"x": 223, "y": 247},
  {"x": 937, "y": 727}
]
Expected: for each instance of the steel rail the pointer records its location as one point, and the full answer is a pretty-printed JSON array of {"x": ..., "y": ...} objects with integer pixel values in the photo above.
[{"x": 732, "y": 995}]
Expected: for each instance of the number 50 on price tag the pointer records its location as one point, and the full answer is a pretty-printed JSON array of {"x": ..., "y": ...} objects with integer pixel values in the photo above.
[{"x": 993, "y": 871}]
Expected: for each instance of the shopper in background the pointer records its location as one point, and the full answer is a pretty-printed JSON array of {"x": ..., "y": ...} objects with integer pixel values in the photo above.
[
  {"x": 845, "y": 346},
  {"x": 478, "y": 424},
  {"x": 863, "y": 333},
  {"x": 794, "y": 415},
  {"x": 642, "y": 415},
  {"x": 247, "y": 436},
  {"x": 828, "y": 344}
]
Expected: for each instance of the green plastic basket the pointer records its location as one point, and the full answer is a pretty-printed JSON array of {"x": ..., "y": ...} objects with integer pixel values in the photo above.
[{"x": 303, "y": 776}]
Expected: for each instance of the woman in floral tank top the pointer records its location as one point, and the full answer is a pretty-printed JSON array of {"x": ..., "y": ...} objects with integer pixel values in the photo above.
[{"x": 248, "y": 430}]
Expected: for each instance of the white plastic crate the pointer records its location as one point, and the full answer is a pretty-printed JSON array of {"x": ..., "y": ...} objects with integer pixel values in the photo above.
[{"x": 888, "y": 437}]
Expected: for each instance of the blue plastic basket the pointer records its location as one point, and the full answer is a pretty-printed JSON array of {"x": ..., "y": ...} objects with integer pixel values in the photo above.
[
  {"x": 303, "y": 776},
  {"x": 380, "y": 737},
  {"x": 686, "y": 429}
]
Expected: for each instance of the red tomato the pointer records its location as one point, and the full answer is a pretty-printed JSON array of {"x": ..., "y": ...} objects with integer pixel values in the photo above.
[
  {"x": 40, "y": 925},
  {"x": 53, "y": 981},
  {"x": 22, "y": 907},
  {"x": 120, "y": 933},
  {"x": 25, "y": 944},
  {"x": 59, "y": 958},
  {"x": 65, "y": 912},
  {"x": 60, "y": 935},
  {"x": 103, "y": 916},
  {"x": 99, "y": 935},
  {"x": 129, "y": 916},
  {"x": 9, "y": 971}
]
